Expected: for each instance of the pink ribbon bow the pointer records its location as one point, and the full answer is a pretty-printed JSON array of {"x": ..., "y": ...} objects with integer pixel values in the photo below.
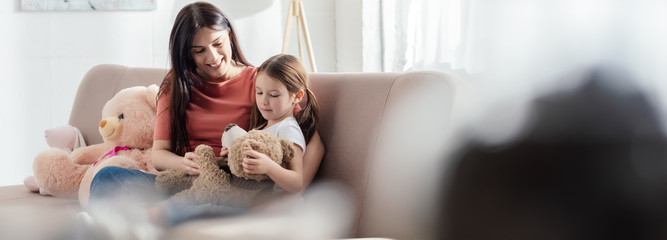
[{"x": 112, "y": 153}]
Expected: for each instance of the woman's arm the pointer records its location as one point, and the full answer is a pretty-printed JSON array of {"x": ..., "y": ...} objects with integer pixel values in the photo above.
[
  {"x": 163, "y": 158},
  {"x": 312, "y": 159},
  {"x": 289, "y": 179}
]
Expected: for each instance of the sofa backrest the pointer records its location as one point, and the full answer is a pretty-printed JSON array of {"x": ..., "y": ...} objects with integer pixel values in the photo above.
[
  {"x": 99, "y": 85},
  {"x": 384, "y": 135}
]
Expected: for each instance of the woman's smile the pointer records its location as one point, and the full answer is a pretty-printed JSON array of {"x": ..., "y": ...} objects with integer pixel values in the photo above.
[{"x": 216, "y": 66}]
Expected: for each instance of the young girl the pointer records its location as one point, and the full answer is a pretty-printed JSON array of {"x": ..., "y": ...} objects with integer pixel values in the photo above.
[{"x": 281, "y": 84}]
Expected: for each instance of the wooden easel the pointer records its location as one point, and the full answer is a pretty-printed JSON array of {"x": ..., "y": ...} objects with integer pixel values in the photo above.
[{"x": 296, "y": 10}]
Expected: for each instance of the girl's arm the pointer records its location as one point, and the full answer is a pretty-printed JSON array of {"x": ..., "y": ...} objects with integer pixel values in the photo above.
[
  {"x": 289, "y": 179},
  {"x": 163, "y": 158},
  {"x": 304, "y": 167},
  {"x": 312, "y": 159}
]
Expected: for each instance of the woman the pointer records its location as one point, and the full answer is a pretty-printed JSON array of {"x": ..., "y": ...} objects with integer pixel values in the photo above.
[{"x": 210, "y": 85}]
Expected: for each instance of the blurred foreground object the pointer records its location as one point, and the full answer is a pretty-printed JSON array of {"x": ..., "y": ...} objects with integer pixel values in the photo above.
[{"x": 591, "y": 163}]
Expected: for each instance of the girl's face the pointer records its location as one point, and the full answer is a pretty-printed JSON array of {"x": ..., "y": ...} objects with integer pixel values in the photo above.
[
  {"x": 212, "y": 53},
  {"x": 275, "y": 103}
]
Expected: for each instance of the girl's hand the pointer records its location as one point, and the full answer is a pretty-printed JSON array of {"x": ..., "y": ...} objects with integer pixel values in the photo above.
[
  {"x": 190, "y": 167},
  {"x": 224, "y": 151},
  {"x": 257, "y": 163}
]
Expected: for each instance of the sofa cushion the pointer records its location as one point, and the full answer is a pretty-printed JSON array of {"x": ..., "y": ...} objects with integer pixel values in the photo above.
[{"x": 28, "y": 215}]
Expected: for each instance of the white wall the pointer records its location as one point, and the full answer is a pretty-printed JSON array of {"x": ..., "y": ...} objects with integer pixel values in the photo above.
[
  {"x": 44, "y": 55},
  {"x": 348, "y": 36}
]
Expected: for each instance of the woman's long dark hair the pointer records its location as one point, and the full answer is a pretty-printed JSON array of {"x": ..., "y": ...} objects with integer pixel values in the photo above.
[
  {"x": 289, "y": 71},
  {"x": 182, "y": 77}
]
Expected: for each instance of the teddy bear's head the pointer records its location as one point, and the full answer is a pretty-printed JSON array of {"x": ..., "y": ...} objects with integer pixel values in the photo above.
[
  {"x": 279, "y": 150},
  {"x": 128, "y": 118}
]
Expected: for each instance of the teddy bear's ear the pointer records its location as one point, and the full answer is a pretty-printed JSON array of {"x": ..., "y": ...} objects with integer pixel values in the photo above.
[
  {"x": 288, "y": 150},
  {"x": 151, "y": 94},
  {"x": 251, "y": 144}
]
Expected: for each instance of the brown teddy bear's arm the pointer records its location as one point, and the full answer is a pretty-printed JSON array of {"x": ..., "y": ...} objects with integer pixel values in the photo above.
[{"x": 90, "y": 154}]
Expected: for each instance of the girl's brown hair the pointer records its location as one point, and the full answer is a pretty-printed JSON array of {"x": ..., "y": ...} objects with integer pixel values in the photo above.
[
  {"x": 182, "y": 77},
  {"x": 289, "y": 71}
]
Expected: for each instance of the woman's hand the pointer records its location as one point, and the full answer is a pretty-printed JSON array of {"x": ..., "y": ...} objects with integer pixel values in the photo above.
[
  {"x": 257, "y": 163},
  {"x": 190, "y": 167}
]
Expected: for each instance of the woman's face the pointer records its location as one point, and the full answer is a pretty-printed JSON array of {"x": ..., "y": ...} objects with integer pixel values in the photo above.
[{"x": 212, "y": 53}]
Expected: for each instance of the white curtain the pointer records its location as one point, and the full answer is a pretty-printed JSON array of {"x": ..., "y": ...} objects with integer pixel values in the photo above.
[
  {"x": 424, "y": 35},
  {"x": 520, "y": 49}
]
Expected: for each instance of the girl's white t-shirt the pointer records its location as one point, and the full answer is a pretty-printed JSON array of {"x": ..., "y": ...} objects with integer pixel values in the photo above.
[{"x": 288, "y": 129}]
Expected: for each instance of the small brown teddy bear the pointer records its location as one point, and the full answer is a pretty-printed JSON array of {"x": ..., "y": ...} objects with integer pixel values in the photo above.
[{"x": 222, "y": 180}]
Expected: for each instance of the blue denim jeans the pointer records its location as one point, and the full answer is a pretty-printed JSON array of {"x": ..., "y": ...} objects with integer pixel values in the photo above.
[
  {"x": 176, "y": 212},
  {"x": 139, "y": 187},
  {"x": 117, "y": 182}
]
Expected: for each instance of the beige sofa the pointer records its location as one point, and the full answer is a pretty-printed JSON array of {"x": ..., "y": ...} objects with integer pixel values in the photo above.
[{"x": 385, "y": 135}]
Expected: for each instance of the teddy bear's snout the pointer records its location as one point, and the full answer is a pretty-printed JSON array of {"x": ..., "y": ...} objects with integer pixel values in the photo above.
[{"x": 110, "y": 127}]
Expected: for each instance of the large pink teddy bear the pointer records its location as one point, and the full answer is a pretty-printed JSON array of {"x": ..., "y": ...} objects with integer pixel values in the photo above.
[{"x": 128, "y": 121}]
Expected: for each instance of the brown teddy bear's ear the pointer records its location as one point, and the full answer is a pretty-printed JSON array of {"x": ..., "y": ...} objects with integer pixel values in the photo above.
[
  {"x": 251, "y": 144},
  {"x": 288, "y": 150},
  {"x": 151, "y": 95}
]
